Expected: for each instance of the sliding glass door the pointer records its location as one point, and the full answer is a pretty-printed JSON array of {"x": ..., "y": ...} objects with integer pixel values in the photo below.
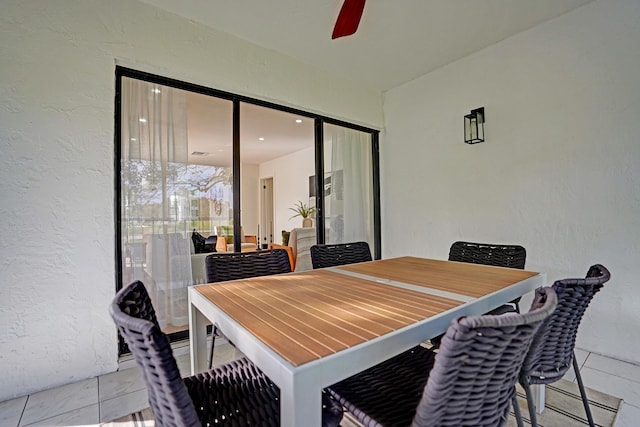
[
  {"x": 175, "y": 182},
  {"x": 348, "y": 189},
  {"x": 200, "y": 170},
  {"x": 277, "y": 157}
]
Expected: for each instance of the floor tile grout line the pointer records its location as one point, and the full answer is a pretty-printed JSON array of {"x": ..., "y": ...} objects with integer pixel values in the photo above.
[
  {"x": 611, "y": 374},
  {"x": 612, "y": 358},
  {"x": 585, "y": 360},
  {"x": 119, "y": 396},
  {"x": 99, "y": 405},
  {"x": 630, "y": 404},
  {"x": 61, "y": 413},
  {"x": 24, "y": 408}
]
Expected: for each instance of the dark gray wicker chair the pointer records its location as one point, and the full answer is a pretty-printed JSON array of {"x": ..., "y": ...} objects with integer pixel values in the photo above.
[
  {"x": 339, "y": 254},
  {"x": 223, "y": 266},
  {"x": 235, "y": 394},
  {"x": 471, "y": 383},
  {"x": 510, "y": 256},
  {"x": 552, "y": 349}
]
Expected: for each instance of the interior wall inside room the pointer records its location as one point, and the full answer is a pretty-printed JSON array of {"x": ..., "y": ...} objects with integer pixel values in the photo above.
[
  {"x": 57, "y": 163},
  {"x": 558, "y": 172},
  {"x": 250, "y": 194},
  {"x": 290, "y": 184}
]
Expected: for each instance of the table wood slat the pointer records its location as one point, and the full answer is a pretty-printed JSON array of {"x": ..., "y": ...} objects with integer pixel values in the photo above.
[
  {"x": 461, "y": 278},
  {"x": 342, "y": 311}
]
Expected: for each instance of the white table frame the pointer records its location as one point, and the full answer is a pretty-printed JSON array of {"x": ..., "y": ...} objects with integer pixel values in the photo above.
[{"x": 300, "y": 386}]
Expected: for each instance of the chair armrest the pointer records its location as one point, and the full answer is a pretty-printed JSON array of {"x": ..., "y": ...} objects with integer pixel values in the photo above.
[
  {"x": 251, "y": 238},
  {"x": 221, "y": 244},
  {"x": 289, "y": 250}
]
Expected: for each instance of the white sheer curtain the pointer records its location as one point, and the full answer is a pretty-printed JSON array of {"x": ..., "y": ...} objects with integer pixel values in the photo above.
[
  {"x": 348, "y": 186},
  {"x": 155, "y": 206}
]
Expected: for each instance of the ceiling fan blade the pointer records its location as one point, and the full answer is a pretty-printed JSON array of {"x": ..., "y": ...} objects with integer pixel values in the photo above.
[{"x": 348, "y": 19}]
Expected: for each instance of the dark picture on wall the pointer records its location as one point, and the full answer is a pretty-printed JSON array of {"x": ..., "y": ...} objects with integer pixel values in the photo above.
[{"x": 333, "y": 183}]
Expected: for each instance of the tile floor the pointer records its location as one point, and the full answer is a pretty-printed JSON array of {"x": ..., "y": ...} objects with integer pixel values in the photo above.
[{"x": 102, "y": 399}]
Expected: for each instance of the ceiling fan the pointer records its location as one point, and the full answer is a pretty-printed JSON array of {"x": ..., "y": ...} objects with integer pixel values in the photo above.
[{"x": 348, "y": 18}]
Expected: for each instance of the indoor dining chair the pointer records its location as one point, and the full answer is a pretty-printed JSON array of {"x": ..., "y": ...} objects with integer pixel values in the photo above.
[
  {"x": 339, "y": 254},
  {"x": 552, "y": 350},
  {"x": 469, "y": 382},
  {"x": 234, "y": 394},
  {"x": 223, "y": 266}
]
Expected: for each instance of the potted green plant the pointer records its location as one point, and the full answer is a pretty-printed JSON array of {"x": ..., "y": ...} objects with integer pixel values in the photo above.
[{"x": 304, "y": 211}]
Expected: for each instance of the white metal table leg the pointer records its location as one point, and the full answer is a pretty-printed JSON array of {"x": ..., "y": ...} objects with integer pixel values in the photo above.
[
  {"x": 198, "y": 340},
  {"x": 538, "y": 397}
]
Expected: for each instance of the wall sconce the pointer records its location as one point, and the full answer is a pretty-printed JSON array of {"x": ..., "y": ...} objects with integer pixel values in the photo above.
[{"x": 474, "y": 126}]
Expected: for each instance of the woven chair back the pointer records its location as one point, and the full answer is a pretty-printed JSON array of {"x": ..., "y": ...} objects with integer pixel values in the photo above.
[
  {"x": 135, "y": 318},
  {"x": 511, "y": 256},
  {"x": 473, "y": 379},
  {"x": 242, "y": 265},
  {"x": 551, "y": 353},
  {"x": 339, "y": 254}
]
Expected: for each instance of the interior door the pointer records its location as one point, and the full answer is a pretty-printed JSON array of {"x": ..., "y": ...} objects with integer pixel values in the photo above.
[{"x": 266, "y": 214}]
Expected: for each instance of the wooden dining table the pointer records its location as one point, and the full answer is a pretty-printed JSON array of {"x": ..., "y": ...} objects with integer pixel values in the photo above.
[{"x": 311, "y": 329}]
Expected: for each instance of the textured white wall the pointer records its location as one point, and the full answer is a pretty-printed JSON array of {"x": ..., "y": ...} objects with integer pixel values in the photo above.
[
  {"x": 57, "y": 85},
  {"x": 559, "y": 172},
  {"x": 290, "y": 183},
  {"x": 250, "y": 203}
]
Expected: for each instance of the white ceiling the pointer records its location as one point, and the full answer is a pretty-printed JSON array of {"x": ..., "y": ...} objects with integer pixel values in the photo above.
[
  {"x": 397, "y": 41},
  {"x": 265, "y": 133}
]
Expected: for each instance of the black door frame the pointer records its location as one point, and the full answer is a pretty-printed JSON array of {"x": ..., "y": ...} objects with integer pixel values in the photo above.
[{"x": 319, "y": 121}]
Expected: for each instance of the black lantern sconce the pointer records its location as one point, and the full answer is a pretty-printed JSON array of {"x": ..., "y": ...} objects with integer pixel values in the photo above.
[{"x": 474, "y": 126}]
